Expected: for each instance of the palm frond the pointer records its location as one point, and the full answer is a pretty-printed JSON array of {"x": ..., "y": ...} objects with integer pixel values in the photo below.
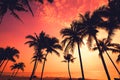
[{"x": 16, "y": 16}]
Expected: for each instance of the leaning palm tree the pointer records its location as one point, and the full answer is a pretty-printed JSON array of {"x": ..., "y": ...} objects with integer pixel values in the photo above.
[
  {"x": 37, "y": 42},
  {"x": 89, "y": 24},
  {"x": 69, "y": 58},
  {"x": 12, "y": 6},
  {"x": 106, "y": 46},
  {"x": 51, "y": 44},
  {"x": 72, "y": 37},
  {"x": 10, "y": 53}
]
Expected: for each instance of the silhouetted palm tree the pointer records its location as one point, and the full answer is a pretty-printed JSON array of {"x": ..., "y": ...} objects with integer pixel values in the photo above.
[
  {"x": 105, "y": 46},
  {"x": 20, "y": 66},
  {"x": 16, "y": 67},
  {"x": 12, "y": 6},
  {"x": 90, "y": 23},
  {"x": 37, "y": 42},
  {"x": 71, "y": 38},
  {"x": 69, "y": 58},
  {"x": 9, "y": 53},
  {"x": 51, "y": 44}
]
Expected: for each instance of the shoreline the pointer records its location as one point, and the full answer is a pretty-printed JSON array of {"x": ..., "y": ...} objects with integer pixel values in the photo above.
[{"x": 7, "y": 77}]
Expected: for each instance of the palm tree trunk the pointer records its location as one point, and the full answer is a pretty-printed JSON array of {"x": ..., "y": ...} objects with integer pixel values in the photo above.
[
  {"x": 69, "y": 71},
  {"x": 80, "y": 59},
  {"x": 2, "y": 63},
  {"x": 12, "y": 73},
  {"x": 112, "y": 62},
  {"x": 43, "y": 67},
  {"x": 33, "y": 71},
  {"x": 102, "y": 58},
  {"x": 4, "y": 67},
  {"x": 16, "y": 72}
]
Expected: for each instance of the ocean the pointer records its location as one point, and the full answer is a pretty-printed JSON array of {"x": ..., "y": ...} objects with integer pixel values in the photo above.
[{"x": 90, "y": 75}]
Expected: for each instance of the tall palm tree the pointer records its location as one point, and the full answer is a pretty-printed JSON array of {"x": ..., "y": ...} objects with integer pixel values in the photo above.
[
  {"x": 37, "y": 42},
  {"x": 105, "y": 46},
  {"x": 10, "y": 53},
  {"x": 90, "y": 23},
  {"x": 69, "y": 58},
  {"x": 51, "y": 44},
  {"x": 71, "y": 38},
  {"x": 12, "y": 6}
]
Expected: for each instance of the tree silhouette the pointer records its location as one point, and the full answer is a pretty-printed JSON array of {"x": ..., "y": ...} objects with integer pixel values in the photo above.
[
  {"x": 71, "y": 38},
  {"x": 111, "y": 13},
  {"x": 17, "y": 67},
  {"x": 9, "y": 54},
  {"x": 12, "y": 6},
  {"x": 16, "y": 5},
  {"x": 89, "y": 24},
  {"x": 69, "y": 58},
  {"x": 105, "y": 46},
  {"x": 37, "y": 42},
  {"x": 51, "y": 44}
]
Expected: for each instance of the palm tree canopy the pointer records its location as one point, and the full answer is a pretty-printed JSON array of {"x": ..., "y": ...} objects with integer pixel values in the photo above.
[
  {"x": 88, "y": 25},
  {"x": 106, "y": 45},
  {"x": 68, "y": 58},
  {"x": 19, "y": 65},
  {"x": 71, "y": 36},
  {"x": 51, "y": 44},
  {"x": 12, "y": 6},
  {"x": 9, "y": 53}
]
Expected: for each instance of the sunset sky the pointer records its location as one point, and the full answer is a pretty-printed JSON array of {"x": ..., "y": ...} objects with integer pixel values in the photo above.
[{"x": 51, "y": 18}]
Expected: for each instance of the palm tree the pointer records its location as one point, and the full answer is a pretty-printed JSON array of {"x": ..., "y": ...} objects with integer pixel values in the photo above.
[
  {"x": 20, "y": 66},
  {"x": 69, "y": 58},
  {"x": 88, "y": 28},
  {"x": 51, "y": 44},
  {"x": 12, "y": 6},
  {"x": 16, "y": 67},
  {"x": 105, "y": 46},
  {"x": 10, "y": 53},
  {"x": 37, "y": 42},
  {"x": 71, "y": 38}
]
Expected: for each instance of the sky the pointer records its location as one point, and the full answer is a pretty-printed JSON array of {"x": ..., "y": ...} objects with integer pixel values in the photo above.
[{"x": 51, "y": 18}]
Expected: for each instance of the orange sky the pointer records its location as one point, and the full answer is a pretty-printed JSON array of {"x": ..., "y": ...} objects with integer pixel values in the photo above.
[{"x": 50, "y": 18}]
